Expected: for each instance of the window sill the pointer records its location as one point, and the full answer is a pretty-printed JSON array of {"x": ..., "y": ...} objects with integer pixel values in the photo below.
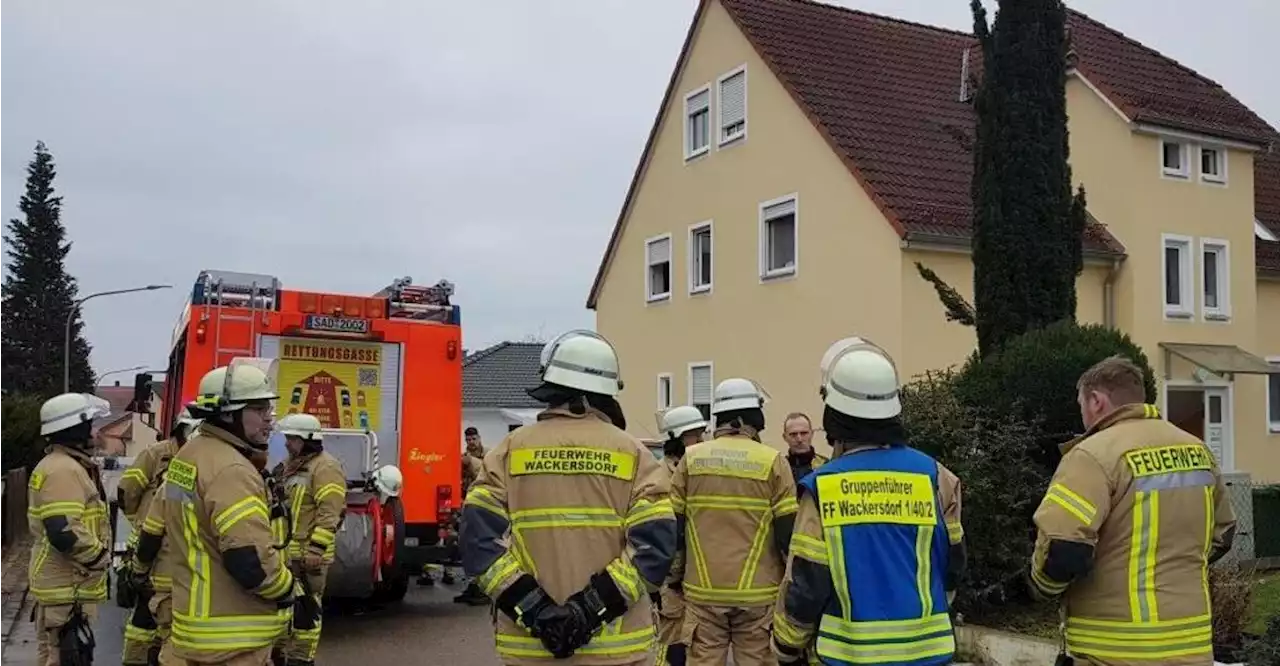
[
  {"x": 736, "y": 138},
  {"x": 1274, "y": 428},
  {"x": 659, "y": 298},
  {"x": 700, "y": 289},
  {"x": 1214, "y": 180},
  {"x": 690, "y": 157},
  {"x": 778, "y": 273},
  {"x": 1181, "y": 315},
  {"x": 1176, "y": 175},
  {"x": 1220, "y": 317}
]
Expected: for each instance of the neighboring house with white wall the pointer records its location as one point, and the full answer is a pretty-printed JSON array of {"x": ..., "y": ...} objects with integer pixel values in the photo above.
[
  {"x": 495, "y": 389},
  {"x": 124, "y": 432}
]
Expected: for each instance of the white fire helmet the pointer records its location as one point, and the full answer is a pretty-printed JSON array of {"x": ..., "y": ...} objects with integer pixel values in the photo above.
[
  {"x": 860, "y": 379},
  {"x": 185, "y": 419},
  {"x": 582, "y": 360},
  {"x": 305, "y": 426},
  {"x": 69, "y": 410},
  {"x": 737, "y": 393},
  {"x": 231, "y": 387},
  {"x": 388, "y": 480},
  {"x": 677, "y": 421}
]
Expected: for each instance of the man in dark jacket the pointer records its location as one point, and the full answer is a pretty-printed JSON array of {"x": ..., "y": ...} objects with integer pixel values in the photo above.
[{"x": 798, "y": 431}]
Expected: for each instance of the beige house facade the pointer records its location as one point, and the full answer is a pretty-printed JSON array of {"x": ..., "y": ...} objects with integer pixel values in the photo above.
[{"x": 806, "y": 157}]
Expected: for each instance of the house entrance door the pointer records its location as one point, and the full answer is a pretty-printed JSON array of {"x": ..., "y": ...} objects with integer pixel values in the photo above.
[{"x": 1206, "y": 413}]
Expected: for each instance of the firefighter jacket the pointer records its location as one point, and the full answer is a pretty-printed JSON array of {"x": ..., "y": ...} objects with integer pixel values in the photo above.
[
  {"x": 67, "y": 515},
  {"x": 1134, "y": 515},
  {"x": 471, "y": 466},
  {"x": 735, "y": 504},
  {"x": 563, "y": 499},
  {"x": 154, "y": 552},
  {"x": 315, "y": 488},
  {"x": 876, "y": 548},
  {"x": 672, "y": 600},
  {"x": 229, "y": 583},
  {"x": 139, "y": 484}
]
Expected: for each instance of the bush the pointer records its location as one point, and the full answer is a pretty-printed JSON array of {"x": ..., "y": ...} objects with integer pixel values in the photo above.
[
  {"x": 1001, "y": 487},
  {"x": 1034, "y": 377},
  {"x": 20, "y": 440},
  {"x": 1264, "y": 649},
  {"x": 1231, "y": 596}
]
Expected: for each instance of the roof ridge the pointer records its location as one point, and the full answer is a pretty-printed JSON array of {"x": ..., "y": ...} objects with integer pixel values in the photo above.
[
  {"x": 476, "y": 356},
  {"x": 1151, "y": 50},
  {"x": 883, "y": 17}
]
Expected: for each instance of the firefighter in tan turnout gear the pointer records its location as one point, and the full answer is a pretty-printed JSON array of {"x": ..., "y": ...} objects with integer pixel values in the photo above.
[
  {"x": 67, "y": 515},
  {"x": 1135, "y": 514},
  {"x": 735, "y": 502},
  {"x": 233, "y": 593},
  {"x": 138, "y": 588},
  {"x": 683, "y": 427},
  {"x": 569, "y": 527},
  {"x": 315, "y": 487}
]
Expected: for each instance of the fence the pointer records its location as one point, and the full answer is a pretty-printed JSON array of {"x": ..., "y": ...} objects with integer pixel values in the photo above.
[
  {"x": 15, "y": 506},
  {"x": 1257, "y": 510}
]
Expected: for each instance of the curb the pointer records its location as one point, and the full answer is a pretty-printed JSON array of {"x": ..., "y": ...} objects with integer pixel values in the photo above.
[{"x": 1001, "y": 648}]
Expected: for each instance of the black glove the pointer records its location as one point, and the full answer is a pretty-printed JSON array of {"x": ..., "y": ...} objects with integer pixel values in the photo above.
[
  {"x": 524, "y": 601},
  {"x": 656, "y": 599},
  {"x": 595, "y": 605},
  {"x": 306, "y": 612}
]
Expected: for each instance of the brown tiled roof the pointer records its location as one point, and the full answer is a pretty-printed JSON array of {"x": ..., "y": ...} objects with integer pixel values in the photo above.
[
  {"x": 1266, "y": 206},
  {"x": 885, "y": 93}
]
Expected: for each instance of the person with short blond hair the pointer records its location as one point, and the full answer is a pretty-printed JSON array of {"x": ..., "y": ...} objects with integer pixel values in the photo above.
[{"x": 1134, "y": 515}]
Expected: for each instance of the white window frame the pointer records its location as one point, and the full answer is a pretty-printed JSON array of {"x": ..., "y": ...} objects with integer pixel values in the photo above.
[
  {"x": 1273, "y": 420},
  {"x": 666, "y": 388},
  {"x": 711, "y": 122},
  {"x": 694, "y": 273},
  {"x": 1187, "y": 281},
  {"x": 649, "y": 296},
  {"x": 1219, "y": 178},
  {"x": 721, "y": 141},
  {"x": 794, "y": 268},
  {"x": 711, "y": 369},
  {"x": 1184, "y": 149},
  {"x": 1222, "y": 248}
]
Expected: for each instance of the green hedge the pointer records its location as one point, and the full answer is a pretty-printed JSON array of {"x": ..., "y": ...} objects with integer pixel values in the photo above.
[{"x": 20, "y": 431}]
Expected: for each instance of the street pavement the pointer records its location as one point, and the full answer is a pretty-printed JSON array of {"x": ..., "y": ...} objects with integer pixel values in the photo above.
[{"x": 427, "y": 625}]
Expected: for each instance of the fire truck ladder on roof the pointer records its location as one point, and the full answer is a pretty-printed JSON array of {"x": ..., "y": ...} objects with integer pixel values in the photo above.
[{"x": 256, "y": 293}]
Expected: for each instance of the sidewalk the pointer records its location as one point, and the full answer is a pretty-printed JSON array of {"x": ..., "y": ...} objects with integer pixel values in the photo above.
[{"x": 20, "y": 645}]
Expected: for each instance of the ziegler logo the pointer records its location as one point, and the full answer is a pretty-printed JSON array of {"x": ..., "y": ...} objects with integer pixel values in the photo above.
[{"x": 336, "y": 324}]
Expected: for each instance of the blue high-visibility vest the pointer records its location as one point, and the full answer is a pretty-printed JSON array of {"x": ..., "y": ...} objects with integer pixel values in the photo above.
[{"x": 887, "y": 547}]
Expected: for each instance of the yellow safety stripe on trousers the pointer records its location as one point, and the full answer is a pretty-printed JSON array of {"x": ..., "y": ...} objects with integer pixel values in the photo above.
[
  {"x": 1147, "y": 641},
  {"x": 198, "y": 562},
  {"x": 924, "y": 568},
  {"x": 307, "y": 639},
  {"x": 839, "y": 576},
  {"x": 785, "y": 506},
  {"x": 607, "y": 643},
  {"x": 502, "y": 568},
  {"x": 330, "y": 489},
  {"x": 228, "y": 517},
  {"x": 885, "y": 641},
  {"x": 65, "y": 595},
  {"x": 138, "y": 634},
  {"x": 1073, "y": 503},
  {"x": 485, "y": 499},
  {"x": 645, "y": 510},
  {"x": 627, "y": 578},
  {"x": 955, "y": 532},
  {"x": 1142, "y": 556},
  {"x": 231, "y": 632},
  {"x": 1208, "y": 544},
  {"x": 67, "y": 509},
  {"x": 322, "y": 536},
  {"x": 787, "y": 632},
  {"x": 661, "y": 658},
  {"x": 809, "y": 548}
]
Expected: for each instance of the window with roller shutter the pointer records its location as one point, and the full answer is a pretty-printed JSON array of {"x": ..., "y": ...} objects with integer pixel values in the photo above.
[
  {"x": 697, "y": 126},
  {"x": 732, "y": 92},
  {"x": 658, "y": 268},
  {"x": 701, "y": 388}
]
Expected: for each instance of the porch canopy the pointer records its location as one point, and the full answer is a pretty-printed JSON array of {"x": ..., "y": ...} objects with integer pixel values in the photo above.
[{"x": 1218, "y": 359}]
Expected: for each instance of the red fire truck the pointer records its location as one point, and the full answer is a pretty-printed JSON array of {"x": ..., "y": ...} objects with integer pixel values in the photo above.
[{"x": 383, "y": 373}]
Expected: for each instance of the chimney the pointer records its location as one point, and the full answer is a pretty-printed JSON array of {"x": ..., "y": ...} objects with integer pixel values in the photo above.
[{"x": 965, "y": 95}]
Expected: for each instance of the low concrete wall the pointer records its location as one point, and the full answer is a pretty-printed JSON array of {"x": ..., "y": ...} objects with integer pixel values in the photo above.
[{"x": 993, "y": 647}]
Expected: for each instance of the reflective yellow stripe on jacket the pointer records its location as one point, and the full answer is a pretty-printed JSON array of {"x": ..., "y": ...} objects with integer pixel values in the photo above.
[{"x": 742, "y": 592}]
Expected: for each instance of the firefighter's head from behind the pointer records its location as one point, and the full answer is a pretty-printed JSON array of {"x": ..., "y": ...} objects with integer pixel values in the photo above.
[
  {"x": 1110, "y": 384},
  {"x": 738, "y": 406},
  {"x": 183, "y": 427},
  {"x": 683, "y": 427},
  {"x": 302, "y": 434},
  {"x": 860, "y": 393},
  {"x": 238, "y": 399},
  {"x": 579, "y": 370},
  {"x": 67, "y": 419}
]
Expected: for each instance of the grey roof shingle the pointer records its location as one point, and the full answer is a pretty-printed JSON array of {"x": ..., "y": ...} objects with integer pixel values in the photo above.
[{"x": 501, "y": 375}]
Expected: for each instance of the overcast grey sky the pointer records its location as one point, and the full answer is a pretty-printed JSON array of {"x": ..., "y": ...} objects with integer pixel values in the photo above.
[{"x": 338, "y": 145}]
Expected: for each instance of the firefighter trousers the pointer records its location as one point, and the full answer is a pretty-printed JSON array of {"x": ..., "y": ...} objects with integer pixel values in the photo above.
[
  {"x": 140, "y": 641},
  {"x": 300, "y": 645},
  {"x": 48, "y": 620},
  {"x": 670, "y": 621},
  {"x": 710, "y": 631}
]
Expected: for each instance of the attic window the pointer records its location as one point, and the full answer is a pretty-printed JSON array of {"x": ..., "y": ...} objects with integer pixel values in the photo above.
[
  {"x": 1213, "y": 165},
  {"x": 732, "y": 92}
]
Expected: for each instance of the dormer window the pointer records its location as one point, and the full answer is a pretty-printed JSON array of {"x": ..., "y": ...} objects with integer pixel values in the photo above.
[{"x": 1213, "y": 165}]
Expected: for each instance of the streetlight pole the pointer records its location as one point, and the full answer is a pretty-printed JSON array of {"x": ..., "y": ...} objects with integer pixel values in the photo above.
[
  {"x": 98, "y": 381},
  {"x": 71, "y": 315}
]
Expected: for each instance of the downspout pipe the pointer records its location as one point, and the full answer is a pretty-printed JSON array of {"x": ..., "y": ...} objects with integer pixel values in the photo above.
[{"x": 1109, "y": 294}]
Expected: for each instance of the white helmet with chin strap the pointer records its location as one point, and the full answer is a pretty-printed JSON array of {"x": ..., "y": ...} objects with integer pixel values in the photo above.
[
  {"x": 859, "y": 379},
  {"x": 582, "y": 360},
  {"x": 305, "y": 426},
  {"x": 231, "y": 387},
  {"x": 388, "y": 480},
  {"x": 677, "y": 421},
  {"x": 737, "y": 393},
  {"x": 70, "y": 410}
]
